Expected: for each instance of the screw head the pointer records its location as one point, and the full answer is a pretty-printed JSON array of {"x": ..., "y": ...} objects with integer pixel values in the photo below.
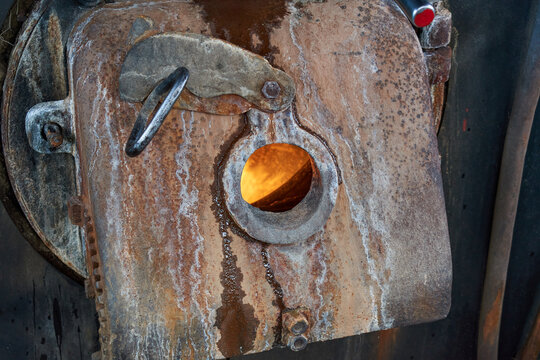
[{"x": 271, "y": 89}]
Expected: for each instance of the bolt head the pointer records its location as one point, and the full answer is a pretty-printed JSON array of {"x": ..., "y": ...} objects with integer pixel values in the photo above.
[
  {"x": 271, "y": 89},
  {"x": 297, "y": 343},
  {"x": 53, "y": 134},
  {"x": 299, "y": 327}
]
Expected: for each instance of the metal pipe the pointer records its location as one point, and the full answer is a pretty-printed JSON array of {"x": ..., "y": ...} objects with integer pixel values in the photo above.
[
  {"x": 506, "y": 200},
  {"x": 531, "y": 350},
  {"x": 529, "y": 347}
]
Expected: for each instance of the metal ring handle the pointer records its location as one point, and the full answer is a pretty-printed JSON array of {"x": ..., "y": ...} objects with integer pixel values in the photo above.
[{"x": 142, "y": 134}]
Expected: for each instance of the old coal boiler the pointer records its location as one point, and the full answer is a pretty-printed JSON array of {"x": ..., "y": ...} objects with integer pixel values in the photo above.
[{"x": 231, "y": 176}]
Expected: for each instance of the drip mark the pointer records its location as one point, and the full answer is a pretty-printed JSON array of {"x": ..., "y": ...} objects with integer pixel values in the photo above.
[
  {"x": 278, "y": 292},
  {"x": 235, "y": 320}
]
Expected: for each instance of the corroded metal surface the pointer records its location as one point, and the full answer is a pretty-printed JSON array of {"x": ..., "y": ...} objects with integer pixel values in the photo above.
[
  {"x": 176, "y": 277},
  {"x": 438, "y": 62},
  {"x": 435, "y": 40},
  {"x": 42, "y": 183}
]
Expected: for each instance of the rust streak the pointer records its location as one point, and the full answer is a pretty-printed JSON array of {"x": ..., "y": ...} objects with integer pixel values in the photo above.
[
  {"x": 252, "y": 29},
  {"x": 56, "y": 51},
  {"x": 223, "y": 216},
  {"x": 438, "y": 96},
  {"x": 235, "y": 320},
  {"x": 492, "y": 321},
  {"x": 387, "y": 340},
  {"x": 531, "y": 349}
]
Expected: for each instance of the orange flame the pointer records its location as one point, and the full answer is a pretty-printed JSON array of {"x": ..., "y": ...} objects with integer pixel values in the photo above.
[{"x": 277, "y": 169}]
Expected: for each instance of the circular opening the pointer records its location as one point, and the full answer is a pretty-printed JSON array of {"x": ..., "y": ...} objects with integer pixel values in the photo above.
[{"x": 277, "y": 177}]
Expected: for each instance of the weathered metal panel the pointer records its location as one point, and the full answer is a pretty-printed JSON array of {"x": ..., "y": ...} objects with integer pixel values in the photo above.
[
  {"x": 42, "y": 183},
  {"x": 177, "y": 278}
]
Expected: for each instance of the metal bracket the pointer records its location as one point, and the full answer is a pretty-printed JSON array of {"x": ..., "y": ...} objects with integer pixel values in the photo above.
[{"x": 49, "y": 127}]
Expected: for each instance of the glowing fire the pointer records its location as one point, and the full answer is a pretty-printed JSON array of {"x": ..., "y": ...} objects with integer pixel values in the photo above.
[{"x": 276, "y": 177}]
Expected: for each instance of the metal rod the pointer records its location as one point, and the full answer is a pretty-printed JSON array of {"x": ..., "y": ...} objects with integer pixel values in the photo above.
[
  {"x": 420, "y": 12},
  {"x": 531, "y": 350},
  {"x": 530, "y": 342},
  {"x": 506, "y": 200}
]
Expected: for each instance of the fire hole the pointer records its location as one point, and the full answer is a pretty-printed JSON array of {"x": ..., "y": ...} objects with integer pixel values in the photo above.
[{"x": 277, "y": 177}]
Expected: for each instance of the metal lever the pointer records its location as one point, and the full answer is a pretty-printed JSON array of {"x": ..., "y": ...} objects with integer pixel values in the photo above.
[
  {"x": 142, "y": 134},
  {"x": 420, "y": 12}
]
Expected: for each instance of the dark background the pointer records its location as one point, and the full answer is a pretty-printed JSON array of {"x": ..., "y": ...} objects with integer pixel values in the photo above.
[{"x": 45, "y": 315}]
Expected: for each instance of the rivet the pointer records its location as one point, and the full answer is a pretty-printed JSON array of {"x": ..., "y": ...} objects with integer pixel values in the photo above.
[{"x": 271, "y": 89}]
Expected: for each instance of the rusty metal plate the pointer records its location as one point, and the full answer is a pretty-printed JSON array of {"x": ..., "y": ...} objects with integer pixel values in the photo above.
[{"x": 173, "y": 275}]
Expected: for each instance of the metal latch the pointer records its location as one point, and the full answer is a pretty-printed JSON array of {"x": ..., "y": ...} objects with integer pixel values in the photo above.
[{"x": 221, "y": 74}]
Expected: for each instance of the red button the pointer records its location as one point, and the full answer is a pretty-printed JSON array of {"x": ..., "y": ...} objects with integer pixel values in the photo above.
[{"x": 424, "y": 18}]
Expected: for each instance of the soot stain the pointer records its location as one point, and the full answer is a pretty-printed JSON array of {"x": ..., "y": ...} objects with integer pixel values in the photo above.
[
  {"x": 248, "y": 24},
  {"x": 235, "y": 320},
  {"x": 231, "y": 275}
]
